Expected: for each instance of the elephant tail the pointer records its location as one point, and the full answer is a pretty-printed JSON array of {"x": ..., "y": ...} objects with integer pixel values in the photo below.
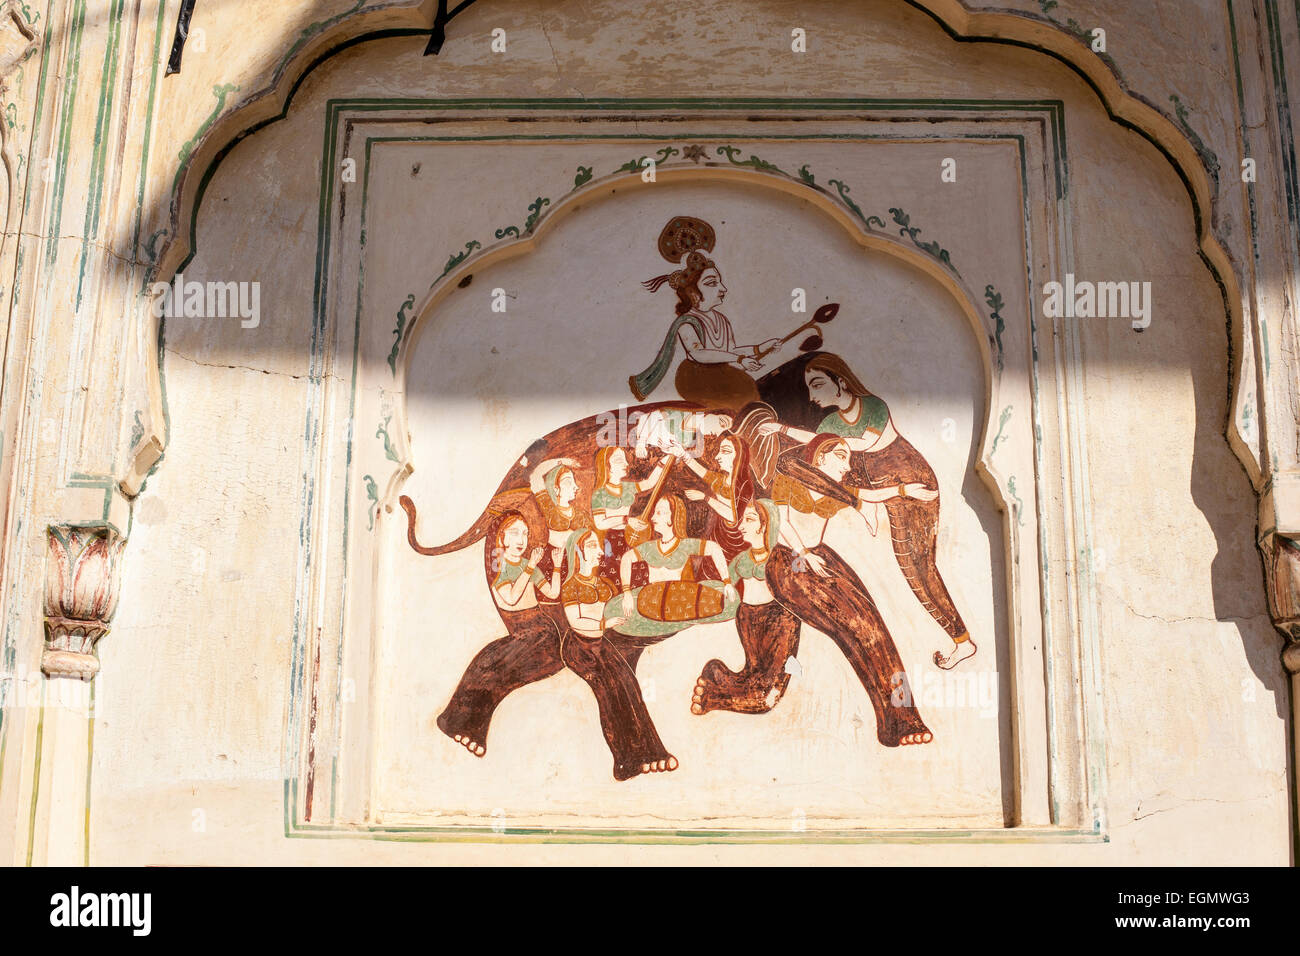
[{"x": 499, "y": 504}]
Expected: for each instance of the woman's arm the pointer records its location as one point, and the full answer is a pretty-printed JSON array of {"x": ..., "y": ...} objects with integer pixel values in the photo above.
[
  {"x": 625, "y": 568},
  {"x": 605, "y": 521},
  {"x": 717, "y": 504},
  {"x": 551, "y": 589},
  {"x": 653, "y": 478},
  {"x": 696, "y": 467},
  {"x": 512, "y": 593},
  {"x": 798, "y": 434},
  {"x": 910, "y": 490},
  {"x": 794, "y": 541}
]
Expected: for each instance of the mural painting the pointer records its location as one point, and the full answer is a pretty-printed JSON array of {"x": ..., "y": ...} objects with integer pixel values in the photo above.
[{"x": 616, "y": 532}]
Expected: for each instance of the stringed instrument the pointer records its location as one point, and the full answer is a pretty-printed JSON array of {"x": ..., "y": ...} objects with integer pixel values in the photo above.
[{"x": 635, "y": 538}]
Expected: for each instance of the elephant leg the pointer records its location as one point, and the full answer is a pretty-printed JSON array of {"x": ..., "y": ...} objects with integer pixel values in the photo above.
[
  {"x": 529, "y": 653},
  {"x": 839, "y": 606},
  {"x": 629, "y": 731},
  {"x": 769, "y": 635}
]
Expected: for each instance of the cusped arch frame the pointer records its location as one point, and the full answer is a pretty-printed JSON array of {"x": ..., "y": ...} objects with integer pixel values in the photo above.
[{"x": 322, "y": 40}]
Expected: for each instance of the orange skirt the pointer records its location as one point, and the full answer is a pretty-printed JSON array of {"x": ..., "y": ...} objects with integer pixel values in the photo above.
[{"x": 715, "y": 385}]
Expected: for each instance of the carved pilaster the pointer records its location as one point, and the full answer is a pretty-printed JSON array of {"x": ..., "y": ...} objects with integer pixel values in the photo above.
[{"x": 81, "y": 588}]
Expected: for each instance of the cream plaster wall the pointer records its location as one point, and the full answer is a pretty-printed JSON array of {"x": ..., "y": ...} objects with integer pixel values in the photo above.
[{"x": 192, "y": 739}]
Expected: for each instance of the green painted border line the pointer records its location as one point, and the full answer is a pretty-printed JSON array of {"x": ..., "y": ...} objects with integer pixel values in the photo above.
[
  {"x": 36, "y": 779},
  {"x": 33, "y": 394},
  {"x": 99, "y": 154}
]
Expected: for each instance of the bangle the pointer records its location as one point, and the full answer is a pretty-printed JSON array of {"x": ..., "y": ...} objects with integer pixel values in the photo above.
[{"x": 902, "y": 490}]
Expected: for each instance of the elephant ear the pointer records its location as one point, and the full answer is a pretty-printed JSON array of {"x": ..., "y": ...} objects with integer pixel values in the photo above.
[{"x": 521, "y": 502}]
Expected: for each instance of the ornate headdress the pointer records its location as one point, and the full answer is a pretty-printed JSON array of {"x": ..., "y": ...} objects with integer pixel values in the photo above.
[{"x": 682, "y": 236}]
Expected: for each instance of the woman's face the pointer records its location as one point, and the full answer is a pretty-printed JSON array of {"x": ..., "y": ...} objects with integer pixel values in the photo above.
[
  {"x": 567, "y": 489},
  {"x": 617, "y": 466},
  {"x": 712, "y": 291},
  {"x": 662, "y": 519},
  {"x": 823, "y": 389},
  {"x": 590, "y": 553},
  {"x": 751, "y": 528},
  {"x": 727, "y": 455},
  {"x": 514, "y": 539},
  {"x": 835, "y": 461}
]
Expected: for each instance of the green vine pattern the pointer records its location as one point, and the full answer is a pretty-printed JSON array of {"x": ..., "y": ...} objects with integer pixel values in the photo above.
[
  {"x": 220, "y": 91},
  {"x": 382, "y": 432},
  {"x": 581, "y": 179},
  {"x": 459, "y": 257},
  {"x": 1020, "y": 505},
  {"x": 137, "y": 431},
  {"x": 151, "y": 244},
  {"x": 27, "y": 14},
  {"x": 535, "y": 212},
  {"x": 400, "y": 331},
  {"x": 1076, "y": 30},
  {"x": 1002, "y": 424},
  {"x": 994, "y": 299},
  {"x": 754, "y": 162},
  {"x": 372, "y": 492},
  {"x": 843, "y": 190},
  {"x": 904, "y": 221}
]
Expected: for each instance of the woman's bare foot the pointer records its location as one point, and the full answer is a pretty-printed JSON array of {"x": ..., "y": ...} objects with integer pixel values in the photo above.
[
  {"x": 700, "y": 696},
  {"x": 660, "y": 766},
  {"x": 919, "y": 738},
  {"x": 960, "y": 651},
  {"x": 473, "y": 746}
]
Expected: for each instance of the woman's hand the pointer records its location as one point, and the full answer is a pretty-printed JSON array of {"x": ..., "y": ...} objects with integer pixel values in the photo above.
[
  {"x": 770, "y": 428},
  {"x": 814, "y": 563},
  {"x": 612, "y": 622},
  {"x": 636, "y": 524},
  {"x": 770, "y": 346},
  {"x": 535, "y": 557},
  {"x": 730, "y": 593},
  {"x": 695, "y": 495},
  {"x": 920, "y": 492},
  {"x": 750, "y": 364},
  {"x": 629, "y": 604}
]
